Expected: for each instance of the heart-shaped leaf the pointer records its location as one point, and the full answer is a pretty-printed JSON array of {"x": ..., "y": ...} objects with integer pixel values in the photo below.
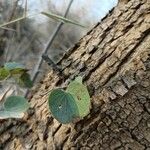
[
  {"x": 16, "y": 104},
  {"x": 4, "y": 73},
  {"x": 81, "y": 96},
  {"x": 63, "y": 106}
]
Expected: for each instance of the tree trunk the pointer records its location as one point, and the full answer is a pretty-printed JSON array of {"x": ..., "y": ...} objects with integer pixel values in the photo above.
[{"x": 114, "y": 58}]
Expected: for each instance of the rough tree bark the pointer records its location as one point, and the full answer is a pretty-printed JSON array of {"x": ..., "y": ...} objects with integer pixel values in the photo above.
[{"x": 114, "y": 58}]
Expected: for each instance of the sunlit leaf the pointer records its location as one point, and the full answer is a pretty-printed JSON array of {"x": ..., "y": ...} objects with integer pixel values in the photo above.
[
  {"x": 8, "y": 114},
  {"x": 62, "y": 19},
  {"x": 14, "y": 107},
  {"x": 15, "y": 68},
  {"x": 16, "y": 104},
  {"x": 81, "y": 96},
  {"x": 79, "y": 79},
  {"x": 25, "y": 80},
  {"x": 62, "y": 106},
  {"x": 4, "y": 73},
  {"x": 13, "y": 65}
]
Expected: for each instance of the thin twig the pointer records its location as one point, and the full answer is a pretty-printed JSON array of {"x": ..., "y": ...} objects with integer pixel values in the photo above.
[
  {"x": 52, "y": 64},
  {"x": 13, "y": 10},
  {"x": 2, "y": 98},
  {"x": 26, "y": 8},
  {"x": 49, "y": 43},
  {"x": 6, "y": 92},
  {"x": 9, "y": 29},
  {"x": 16, "y": 20}
]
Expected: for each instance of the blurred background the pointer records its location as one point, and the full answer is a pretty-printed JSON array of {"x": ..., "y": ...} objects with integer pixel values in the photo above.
[{"x": 23, "y": 41}]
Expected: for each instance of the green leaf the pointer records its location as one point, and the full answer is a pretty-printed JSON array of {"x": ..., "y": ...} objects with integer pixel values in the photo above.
[
  {"x": 81, "y": 96},
  {"x": 62, "y": 19},
  {"x": 15, "y": 68},
  {"x": 13, "y": 65},
  {"x": 4, "y": 73},
  {"x": 79, "y": 79},
  {"x": 14, "y": 107},
  {"x": 62, "y": 106},
  {"x": 8, "y": 114},
  {"x": 25, "y": 80},
  {"x": 16, "y": 104}
]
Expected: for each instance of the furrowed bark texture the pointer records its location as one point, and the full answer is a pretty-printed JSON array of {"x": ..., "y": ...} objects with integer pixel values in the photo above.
[{"x": 114, "y": 58}]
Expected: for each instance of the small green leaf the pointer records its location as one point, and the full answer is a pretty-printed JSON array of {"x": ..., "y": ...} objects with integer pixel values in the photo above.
[
  {"x": 25, "y": 80},
  {"x": 4, "y": 73},
  {"x": 62, "y": 106},
  {"x": 79, "y": 79},
  {"x": 8, "y": 114},
  {"x": 13, "y": 65},
  {"x": 62, "y": 19},
  {"x": 14, "y": 107},
  {"x": 16, "y": 104},
  {"x": 81, "y": 96},
  {"x": 15, "y": 68}
]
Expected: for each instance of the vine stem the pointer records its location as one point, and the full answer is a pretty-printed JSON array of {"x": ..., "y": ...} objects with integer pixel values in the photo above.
[{"x": 48, "y": 45}]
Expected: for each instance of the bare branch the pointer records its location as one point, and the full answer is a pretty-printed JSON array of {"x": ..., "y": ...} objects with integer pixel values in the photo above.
[{"x": 49, "y": 43}]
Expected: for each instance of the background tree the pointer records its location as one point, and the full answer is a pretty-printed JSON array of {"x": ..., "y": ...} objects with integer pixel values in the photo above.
[{"x": 114, "y": 58}]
